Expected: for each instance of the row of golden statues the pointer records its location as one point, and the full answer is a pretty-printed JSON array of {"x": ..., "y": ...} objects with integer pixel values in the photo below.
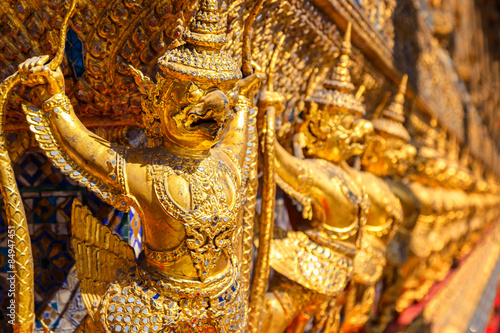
[{"x": 400, "y": 222}]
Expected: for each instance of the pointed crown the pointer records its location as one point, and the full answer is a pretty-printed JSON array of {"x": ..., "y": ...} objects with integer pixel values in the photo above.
[
  {"x": 338, "y": 92},
  {"x": 393, "y": 117},
  {"x": 207, "y": 27},
  {"x": 201, "y": 58}
]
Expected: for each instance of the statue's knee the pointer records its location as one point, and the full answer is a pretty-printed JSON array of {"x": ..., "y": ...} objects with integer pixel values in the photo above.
[{"x": 274, "y": 317}]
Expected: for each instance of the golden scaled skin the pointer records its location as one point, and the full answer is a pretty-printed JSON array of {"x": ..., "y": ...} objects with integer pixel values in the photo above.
[
  {"x": 188, "y": 192},
  {"x": 18, "y": 234}
]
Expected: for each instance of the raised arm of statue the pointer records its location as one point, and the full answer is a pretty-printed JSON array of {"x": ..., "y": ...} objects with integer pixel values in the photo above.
[
  {"x": 292, "y": 170},
  {"x": 292, "y": 174},
  {"x": 79, "y": 153},
  {"x": 289, "y": 168},
  {"x": 242, "y": 130}
]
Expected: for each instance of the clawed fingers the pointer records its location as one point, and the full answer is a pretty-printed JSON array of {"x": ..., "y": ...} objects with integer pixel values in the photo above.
[
  {"x": 34, "y": 80},
  {"x": 42, "y": 60},
  {"x": 41, "y": 70},
  {"x": 31, "y": 63},
  {"x": 23, "y": 71},
  {"x": 34, "y": 72},
  {"x": 251, "y": 82},
  {"x": 32, "y": 76},
  {"x": 23, "y": 68}
]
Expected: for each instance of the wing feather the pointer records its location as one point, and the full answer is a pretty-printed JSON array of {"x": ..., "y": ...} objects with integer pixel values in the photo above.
[{"x": 100, "y": 255}]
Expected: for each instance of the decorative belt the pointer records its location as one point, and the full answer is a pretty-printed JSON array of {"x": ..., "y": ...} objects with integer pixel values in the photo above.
[
  {"x": 339, "y": 233},
  {"x": 177, "y": 288},
  {"x": 380, "y": 230},
  {"x": 165, "y": 258},
  {"x": 335, "y": 245}
]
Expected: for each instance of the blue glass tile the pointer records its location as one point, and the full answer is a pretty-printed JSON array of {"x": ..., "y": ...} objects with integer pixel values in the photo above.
[
  {"x": 79, "y": 67},
  {"x": 74, "y": 53},
  {"x": 77, "y": 44},
  {"x": 71, "y": 36},
  {"x": 4, "y": 252}
]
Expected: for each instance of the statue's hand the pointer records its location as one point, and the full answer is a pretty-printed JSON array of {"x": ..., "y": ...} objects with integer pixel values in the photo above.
[
  {"x": 250, "y": 84},
  {"x": 272, "y": 98},
  {"x": 35, "y": 71}
]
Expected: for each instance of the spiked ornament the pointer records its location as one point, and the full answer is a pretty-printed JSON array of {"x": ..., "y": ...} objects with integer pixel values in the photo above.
[
  {"x": 393, "y": 117},
  {"x": 201, "y": 58},
  {"x": 338, "y": 92}
]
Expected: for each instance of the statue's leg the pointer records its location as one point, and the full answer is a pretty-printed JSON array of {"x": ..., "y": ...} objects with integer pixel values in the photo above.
[
  {"x": 333, "y": 321},
  {"x": 412, "y": 272},
  {"x": 327, "y": 316},
  {"x": 287, "y": 305},
  {"x": 386, "y": 309},
  {"x": 359, "y": 302}
]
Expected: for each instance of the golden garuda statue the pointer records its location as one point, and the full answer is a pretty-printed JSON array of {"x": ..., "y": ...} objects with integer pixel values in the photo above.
[
  {"x": 314, "y": 264},
  {"x": 388, "y": 154},
  {"x": 189, "y": 188}
]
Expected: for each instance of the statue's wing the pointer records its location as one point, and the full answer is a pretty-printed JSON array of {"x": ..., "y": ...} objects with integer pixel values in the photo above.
[{"x": 101, "y": 256}]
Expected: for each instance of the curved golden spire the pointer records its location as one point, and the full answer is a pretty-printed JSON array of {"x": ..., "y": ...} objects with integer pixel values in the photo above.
[
  {"x": 201, "y": 58},
  {"x": 395, "y": 109},
  {"x": 341, "y": 78},
  {"x": 392, "y": 118},
  {"x": 338, "y": 92}
]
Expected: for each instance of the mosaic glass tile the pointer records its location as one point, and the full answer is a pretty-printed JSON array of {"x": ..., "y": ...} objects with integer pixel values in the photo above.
[
  {"x": 135, "y": 239},
  {"x": 52, "y": 259},
  {"x": 74, "y": 53},
  {"x": 65, "y": 310}
]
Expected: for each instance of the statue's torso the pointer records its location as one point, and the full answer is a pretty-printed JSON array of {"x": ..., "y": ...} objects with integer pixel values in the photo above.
[
  {"x": 398, "y": 249},
  {"x": 385, "y": 212},
  {"x": 409, "y": 203},
  {"x": 338, "y": 199},
  {"x": 190, "y": 207},
  {"x": 322, "y": 257}
]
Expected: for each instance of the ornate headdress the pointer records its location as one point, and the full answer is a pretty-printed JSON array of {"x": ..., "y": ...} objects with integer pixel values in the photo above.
[
  {"x": 338, "y": 92},
  {"x": 201, "y": 58},
  {"x": 393, "y": 117}
]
